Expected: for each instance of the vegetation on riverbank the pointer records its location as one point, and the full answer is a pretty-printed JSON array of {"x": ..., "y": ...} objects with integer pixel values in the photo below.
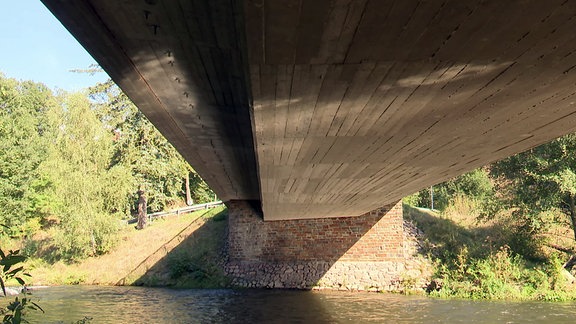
[
  {"x": 507, "y": 230},
  {"x": 136, "y": 252},
  {"x": 492, "y": 259}
]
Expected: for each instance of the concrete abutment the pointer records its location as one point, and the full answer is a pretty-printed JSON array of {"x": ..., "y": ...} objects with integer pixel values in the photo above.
[{"x": 366, "y": 252}]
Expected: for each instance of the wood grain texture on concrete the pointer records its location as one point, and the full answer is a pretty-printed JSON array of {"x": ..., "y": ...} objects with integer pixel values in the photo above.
[
  {"x": 181, "y": 63},
  {"x": 326, "y": 108}
]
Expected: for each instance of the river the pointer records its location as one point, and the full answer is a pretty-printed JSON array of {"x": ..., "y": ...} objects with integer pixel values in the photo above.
[{"x": 160, "y": 305}]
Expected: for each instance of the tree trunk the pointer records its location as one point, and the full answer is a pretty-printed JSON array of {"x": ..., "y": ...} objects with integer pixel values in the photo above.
[
  {"x": 573, "y": 214},
  {"x": 570, "y": 263},
  {"x": 142, "y": 214},
  {"x": 93, "y": 243},
  {"x": 572, "y": 210},
  {"x": 189, "y": 200}
]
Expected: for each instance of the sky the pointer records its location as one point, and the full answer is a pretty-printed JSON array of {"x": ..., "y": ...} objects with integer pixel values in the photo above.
[{"x": 35, "y": 46}]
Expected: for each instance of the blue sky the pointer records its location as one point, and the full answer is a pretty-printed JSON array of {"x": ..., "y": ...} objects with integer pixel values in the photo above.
[{"x": 35, "y": 46}]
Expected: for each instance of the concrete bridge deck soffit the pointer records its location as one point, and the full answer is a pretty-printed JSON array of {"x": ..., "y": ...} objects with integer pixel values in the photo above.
[{"x": 324, "y": 108}]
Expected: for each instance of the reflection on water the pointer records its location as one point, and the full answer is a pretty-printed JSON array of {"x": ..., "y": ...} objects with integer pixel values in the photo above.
[{"x": 158, "y": 305}]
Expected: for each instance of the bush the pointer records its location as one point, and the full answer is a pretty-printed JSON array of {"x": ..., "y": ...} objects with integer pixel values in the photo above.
[
  {"x": 475, "y": 184},
  {"x": 501, "y": 259},
  {"x": 179, "y": 264},
  {"x": 502, "y": 275},
  {"x": 81, "y": 236}
]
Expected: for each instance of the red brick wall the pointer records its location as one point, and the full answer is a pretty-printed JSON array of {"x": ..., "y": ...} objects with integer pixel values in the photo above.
[{"x": 375, "y": 236}]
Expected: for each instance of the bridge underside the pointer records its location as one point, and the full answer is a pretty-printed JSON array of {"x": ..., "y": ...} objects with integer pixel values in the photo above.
[{"x": 324, "y": 108}]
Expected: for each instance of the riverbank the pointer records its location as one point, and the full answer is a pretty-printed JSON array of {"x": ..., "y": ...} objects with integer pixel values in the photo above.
[
  {"x": 135, "y": 252},
  {"x": 493, "y": 259}
]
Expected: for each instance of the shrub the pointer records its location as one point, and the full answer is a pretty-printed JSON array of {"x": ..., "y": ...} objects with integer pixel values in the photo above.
[{"x": 475, "y": 184}]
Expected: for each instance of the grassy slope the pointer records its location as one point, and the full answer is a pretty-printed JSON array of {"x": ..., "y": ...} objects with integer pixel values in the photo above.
[
  {"x": 195, "y": 262},
  {"x": 461, "y": 225},
  {"x": 135, "y": 253},
  {"x": 477, "y": 259}
]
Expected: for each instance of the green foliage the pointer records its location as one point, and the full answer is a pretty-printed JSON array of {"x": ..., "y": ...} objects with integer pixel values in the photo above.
[
  {"x": 139, "y": 147},
  {"x": 195, "y": 263},
  {"x": 475, "y": 184},
  {"x": 413, "y": 200},
  {"x": 540, "y": 180},
  {"x": 442, "y": 235},
  {"x": 499, "y": 276},
  {"x": 477, "y": 261},
  {"x": 503, "y": 275},
  {"x": 179, "y": 264},
  {"x": 201, "y": 193},
  {"x": 496, "y": 261},
  {"x": 78, "y": 169},
  {"x": 16, "y": 309},
  {"x": 22, "y": 148},
  {"x": 7, "y": 261},
  {"x": 11, "y": 270},
  {"x": 198, "y": 269},
  {"x": 75, "y": 162}
]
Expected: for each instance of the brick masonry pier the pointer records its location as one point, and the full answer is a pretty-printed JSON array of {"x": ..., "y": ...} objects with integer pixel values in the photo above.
[{"x": 366, "y": 252}]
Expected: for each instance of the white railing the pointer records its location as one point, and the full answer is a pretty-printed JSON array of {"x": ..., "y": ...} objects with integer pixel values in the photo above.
[{"x": 179, "y": 211}]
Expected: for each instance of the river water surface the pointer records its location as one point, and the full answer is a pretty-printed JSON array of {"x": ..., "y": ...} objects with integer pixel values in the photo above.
[{"x": 159, "y": 305}]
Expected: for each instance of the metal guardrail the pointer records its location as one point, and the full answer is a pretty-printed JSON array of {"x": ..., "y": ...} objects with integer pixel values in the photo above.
[{"x": 179, "y": 211}]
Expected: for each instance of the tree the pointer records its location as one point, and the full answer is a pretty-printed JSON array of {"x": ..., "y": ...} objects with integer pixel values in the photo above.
[
  {"x": 22, "y": 148},
  {"x": 91, "y": 194},
  {"x": 155, "y": 164},
  {"x": 13, "y": 270},
  {"x": 75, "y": 160},
  {"x": 142, "y": 216},
  {"x": 539, "y": 180},
  {"x": 475, "y": 184}
]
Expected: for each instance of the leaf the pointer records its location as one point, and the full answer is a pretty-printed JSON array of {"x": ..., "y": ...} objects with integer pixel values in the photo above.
[
  {"x": 17, "y": 316},
  {"x": 3, "y": 287},
  {"x": 12, "y": 260},
  {"x": 20, "y": 281},
  {"x": 14, "y": 271},
  {"x": 40, "y": 308}
]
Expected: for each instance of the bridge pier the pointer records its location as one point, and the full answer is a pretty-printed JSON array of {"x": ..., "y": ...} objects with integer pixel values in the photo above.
[{"x": 366, "y": 252}]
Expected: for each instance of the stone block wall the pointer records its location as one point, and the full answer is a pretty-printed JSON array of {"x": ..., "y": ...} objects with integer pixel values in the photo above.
[{"x": 364, "y": 252}]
